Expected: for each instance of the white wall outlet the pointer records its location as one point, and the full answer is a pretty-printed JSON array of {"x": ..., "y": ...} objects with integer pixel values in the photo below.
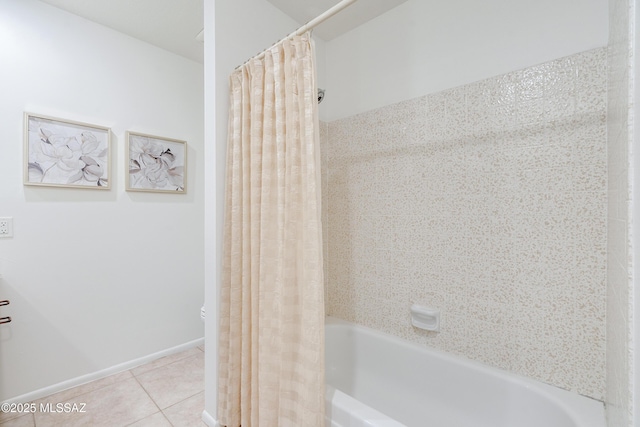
[{"x": 6, "y": 227}]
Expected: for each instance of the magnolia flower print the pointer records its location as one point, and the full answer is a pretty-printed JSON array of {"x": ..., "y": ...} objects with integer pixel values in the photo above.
[
  {"x": 69, "y": 155},
  {"x": 153, "y": 165}
]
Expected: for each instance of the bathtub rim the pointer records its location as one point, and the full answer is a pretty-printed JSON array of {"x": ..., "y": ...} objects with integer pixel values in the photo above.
[{"x": 584, "y": 411}]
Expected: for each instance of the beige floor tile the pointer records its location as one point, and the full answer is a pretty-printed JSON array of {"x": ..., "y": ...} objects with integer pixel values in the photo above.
[
  {"x": 175, "y": 382},
  {"x": 21, "y": 421},
  {"x": 6, "y": 416},
  {"x": 67, "y": 395},
  {"x": 16, "y": 411},
  {"x": 118, "y": 404},
  {"x": 156, "y": 420},
  {"x": 167, "y": 360},
  {"x": 187, "y": 413}
]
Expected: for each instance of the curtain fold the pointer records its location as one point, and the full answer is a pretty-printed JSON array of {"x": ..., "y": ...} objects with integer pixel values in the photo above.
[{"x": 271, "y": 349}]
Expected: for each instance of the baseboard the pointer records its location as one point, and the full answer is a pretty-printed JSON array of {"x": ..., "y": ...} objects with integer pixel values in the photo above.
[
  {"x": 47, "y": 391},
  {"x": 209, "y": 420}
]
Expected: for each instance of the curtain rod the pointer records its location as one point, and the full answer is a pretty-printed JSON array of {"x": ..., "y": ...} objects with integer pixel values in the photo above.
[{"x": 306, "y": 27}]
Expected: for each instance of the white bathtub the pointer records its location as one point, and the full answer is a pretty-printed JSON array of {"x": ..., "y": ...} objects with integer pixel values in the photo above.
[{"x": 377, "y": 380}]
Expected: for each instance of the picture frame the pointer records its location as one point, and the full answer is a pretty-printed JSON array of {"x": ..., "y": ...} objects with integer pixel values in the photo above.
[
  {"x": 155, "y": 163},
  {"x": 66, "y": 153}
]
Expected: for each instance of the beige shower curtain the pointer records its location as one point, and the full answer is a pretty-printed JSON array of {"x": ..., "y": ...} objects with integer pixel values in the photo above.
[{"x": 271, "y": 349}]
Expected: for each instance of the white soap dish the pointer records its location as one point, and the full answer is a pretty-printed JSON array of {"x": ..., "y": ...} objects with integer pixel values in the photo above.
[{"x": 425, "y": 318}]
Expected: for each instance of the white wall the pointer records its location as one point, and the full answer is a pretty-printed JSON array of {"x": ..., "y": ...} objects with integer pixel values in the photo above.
[
  {"x": 95, "y": 278},
  {"x": 421, "y": 47}
]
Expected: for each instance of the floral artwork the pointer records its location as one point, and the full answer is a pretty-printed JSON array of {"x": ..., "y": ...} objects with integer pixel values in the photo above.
[
  {"x": 67, "y": 154},
  {"x": 156, "y": 164}
]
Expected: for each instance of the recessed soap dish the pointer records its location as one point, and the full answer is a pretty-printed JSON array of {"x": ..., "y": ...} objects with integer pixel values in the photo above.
[{"x": 425, "y": 318}]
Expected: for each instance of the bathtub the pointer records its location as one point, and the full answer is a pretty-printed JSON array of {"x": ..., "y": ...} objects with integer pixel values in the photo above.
[{"x": 377, "y": 380}]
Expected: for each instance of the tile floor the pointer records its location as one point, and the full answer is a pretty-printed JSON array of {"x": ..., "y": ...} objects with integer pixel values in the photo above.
[{"x": 163, "y": 393}]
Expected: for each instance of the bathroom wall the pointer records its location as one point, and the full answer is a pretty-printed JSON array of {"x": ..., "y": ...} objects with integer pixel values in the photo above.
[
  {"x": 488, "y": 202},
  {"x": 372, "y": 71},
  {"x": 423, "y": 47},
  {"x": 620, "y": 253},
  {"x": 95, "y": 278}
]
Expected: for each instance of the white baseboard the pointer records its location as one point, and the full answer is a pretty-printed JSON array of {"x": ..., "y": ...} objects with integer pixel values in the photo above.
[
  {"x": 47, "y": 391},
  {"x": 209, "y": 420}
]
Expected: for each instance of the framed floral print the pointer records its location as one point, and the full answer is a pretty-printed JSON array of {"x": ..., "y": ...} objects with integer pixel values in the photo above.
[
  {"x": 64, "y": 153},
  {"x": 156, "y": 163}
]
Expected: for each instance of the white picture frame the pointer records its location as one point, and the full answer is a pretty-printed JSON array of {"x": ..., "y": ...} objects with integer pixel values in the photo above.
[
  {"x": 155, "y": 163},
  {"x": 66, "y": 153}
]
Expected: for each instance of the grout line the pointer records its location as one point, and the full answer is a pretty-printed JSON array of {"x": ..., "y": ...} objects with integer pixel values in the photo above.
[
  {"x": 183, "y": 400},
  {"x": 151, "y": 415},
  {"x": 84, "y": 384},
  {"x": 147, "y": 393},
  {"x": 166, "y": 364},
  {"x": 18, "y": 415},
  {"x": 154, "y": 402},
  {"x": 131, "y": 375},
  {"x": 167, "y": 418}
]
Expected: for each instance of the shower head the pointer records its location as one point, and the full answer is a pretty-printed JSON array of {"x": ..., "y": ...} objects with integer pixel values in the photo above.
[{"x": 320, "y": 95}]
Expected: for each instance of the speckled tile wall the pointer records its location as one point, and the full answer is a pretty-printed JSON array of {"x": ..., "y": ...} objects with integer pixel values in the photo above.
[
  {"x": 620, "y": 351},
  {"x": 487, "y": 202}
]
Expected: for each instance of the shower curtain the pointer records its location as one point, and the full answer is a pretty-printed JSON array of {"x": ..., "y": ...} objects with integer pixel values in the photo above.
[{"x": 271, "y": 349}]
